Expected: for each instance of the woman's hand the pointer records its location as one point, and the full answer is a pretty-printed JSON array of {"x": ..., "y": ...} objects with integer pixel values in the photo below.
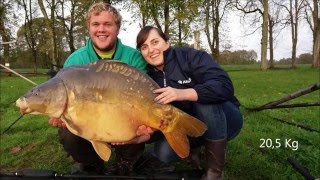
[{"x": 169, "y": 94}]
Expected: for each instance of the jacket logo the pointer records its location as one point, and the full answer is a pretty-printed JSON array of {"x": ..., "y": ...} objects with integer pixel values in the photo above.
[{"x": 184, "y": 81}]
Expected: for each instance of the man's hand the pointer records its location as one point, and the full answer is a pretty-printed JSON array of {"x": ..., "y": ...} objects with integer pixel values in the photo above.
[
  {"x": 136, "y": 140},
  {"x": 143, "y": 134},
  {"x": 144, "y": 130},
  {"x": 56, "y": 122}
]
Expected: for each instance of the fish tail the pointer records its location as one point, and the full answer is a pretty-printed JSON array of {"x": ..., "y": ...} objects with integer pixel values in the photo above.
[
  {"x": 185, "y": 126},
  {"x": 193, "y": 126},
  {"x": 179, "y": 142}
]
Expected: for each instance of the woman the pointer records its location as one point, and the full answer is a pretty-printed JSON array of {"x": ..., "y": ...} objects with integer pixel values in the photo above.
[{"x": 192, "y": 81}]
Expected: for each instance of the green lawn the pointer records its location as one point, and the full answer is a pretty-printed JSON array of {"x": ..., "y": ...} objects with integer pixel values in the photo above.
[{"x": 33, "y": 143}]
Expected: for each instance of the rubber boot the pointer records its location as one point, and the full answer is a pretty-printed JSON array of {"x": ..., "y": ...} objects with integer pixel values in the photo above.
[{"x": 215, "y": 159}]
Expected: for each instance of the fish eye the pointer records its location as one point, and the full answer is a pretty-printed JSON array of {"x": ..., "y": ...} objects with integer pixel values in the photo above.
[{"x": 36, "y": 92}]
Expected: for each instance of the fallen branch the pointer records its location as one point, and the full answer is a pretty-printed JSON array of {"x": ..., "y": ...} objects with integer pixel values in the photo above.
[
  {"x": 299, "y": 93},
  {"x": 294, "y": 105}
]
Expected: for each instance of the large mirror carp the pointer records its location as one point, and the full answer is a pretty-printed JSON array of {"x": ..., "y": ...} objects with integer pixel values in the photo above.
[{"x": 106, "y": 101}]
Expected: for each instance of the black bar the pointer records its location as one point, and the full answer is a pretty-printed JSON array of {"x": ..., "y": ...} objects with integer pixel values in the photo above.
[{"x": 50, "y": 174}]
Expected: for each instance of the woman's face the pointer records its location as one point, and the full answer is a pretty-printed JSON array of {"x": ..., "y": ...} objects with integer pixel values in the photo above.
[{"x": 152, "y": 49}]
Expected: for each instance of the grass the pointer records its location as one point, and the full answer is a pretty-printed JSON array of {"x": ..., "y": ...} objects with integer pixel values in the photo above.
[{"x": 32, "y": 143}]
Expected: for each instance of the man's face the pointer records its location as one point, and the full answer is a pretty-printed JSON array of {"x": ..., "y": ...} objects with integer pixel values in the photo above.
[{"x": 103, "y": 31}]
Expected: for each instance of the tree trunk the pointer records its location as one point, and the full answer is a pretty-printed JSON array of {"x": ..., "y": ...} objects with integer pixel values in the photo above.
[
  {"x": 5, "y": 35},
  {"x": 212, "y": 7},
  {"x": 271, "y": 23},
  {"x": 207, "y": 22},
  {"x": 70, "y": 37},
  {"x": 216, "y": 38},
  {"x": 294, "y": 31},
  {"x": 316, "y": 36},
  {"x": 316, "y": 50},
  {"x": 264, "y": 41},
  {"x": 166, "y": 18},
  {"x": 196, "y": 43},
  {"x": 50, "y": 26},
  {"x": 28, "y": 33},
  {"x": 6, "y": 46}
]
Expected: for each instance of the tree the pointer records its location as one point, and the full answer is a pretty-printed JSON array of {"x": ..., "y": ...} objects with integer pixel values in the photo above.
[
  {"x": 5, "y": 28},
  {"x": 262, "y": 7},
  {"x": 29, "y": 10},
  {"x": 314, "y": 24},
  {"x": 305, "y": 58},
  {"x": 238, "y": 57},
  {"x": 294, "y": 10},
  {"x": 71, "y": 13},
  {"x": 42, "y": 43},
  {"x": 274, "y": 18},
  {"x": 142, "y": 12},
  {"x": 50, "y": 23},
  {"x": 184, "y": 15},
  {"x": 214, "y": 13},
  {"x": 173, "y": 17}
]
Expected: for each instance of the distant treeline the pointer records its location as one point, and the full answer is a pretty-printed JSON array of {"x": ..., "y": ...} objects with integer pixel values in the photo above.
[
  {"x": 250, "y": 57},
  {"x": 23, "y": 58},
  {"x": 305, "y": 58}
]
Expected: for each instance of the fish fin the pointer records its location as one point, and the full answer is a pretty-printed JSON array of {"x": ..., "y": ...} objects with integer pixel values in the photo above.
[
  {"x": 185, "y": 126},
  {"x": 192, "y": 126},
  {"x": 179, "y": 142},
  {"x": 102, "y": 149}
]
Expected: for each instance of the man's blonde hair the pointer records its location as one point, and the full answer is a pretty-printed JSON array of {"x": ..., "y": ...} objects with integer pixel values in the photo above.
[{"x": 97, "y": 8}]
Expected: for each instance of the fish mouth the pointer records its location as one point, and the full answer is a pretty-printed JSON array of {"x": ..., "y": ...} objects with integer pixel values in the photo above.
[
  {"x": 25, "y": 110},
  {"x": 23, "y": 105}
]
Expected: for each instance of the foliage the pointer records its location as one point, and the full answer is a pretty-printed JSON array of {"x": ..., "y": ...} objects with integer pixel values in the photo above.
[
  {"x": 238, "y": 57},
  {"x": 173, "y": 17},
  {"x": 42, "y": 45},
  {"x": 33, "y": 143},
  {"x": 305, "y": 58}
]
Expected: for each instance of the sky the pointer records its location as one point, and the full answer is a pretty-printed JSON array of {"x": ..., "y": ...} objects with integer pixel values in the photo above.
[{"x": 282, "y": 45}]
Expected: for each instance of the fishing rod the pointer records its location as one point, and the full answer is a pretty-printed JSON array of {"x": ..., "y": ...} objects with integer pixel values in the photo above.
[
  {"x": 12, "y": 124},
  {"x": 50, "y": 174},
  {"x": 25, "y": 78},
  {"x": 16, "y": 73}
]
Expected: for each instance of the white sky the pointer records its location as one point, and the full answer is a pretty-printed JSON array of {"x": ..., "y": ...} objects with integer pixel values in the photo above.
[{"x": 282, "y": 45}]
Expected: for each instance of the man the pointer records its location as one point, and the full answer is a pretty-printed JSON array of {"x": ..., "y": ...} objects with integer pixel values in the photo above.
[{"x": 103, "y": 23}]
